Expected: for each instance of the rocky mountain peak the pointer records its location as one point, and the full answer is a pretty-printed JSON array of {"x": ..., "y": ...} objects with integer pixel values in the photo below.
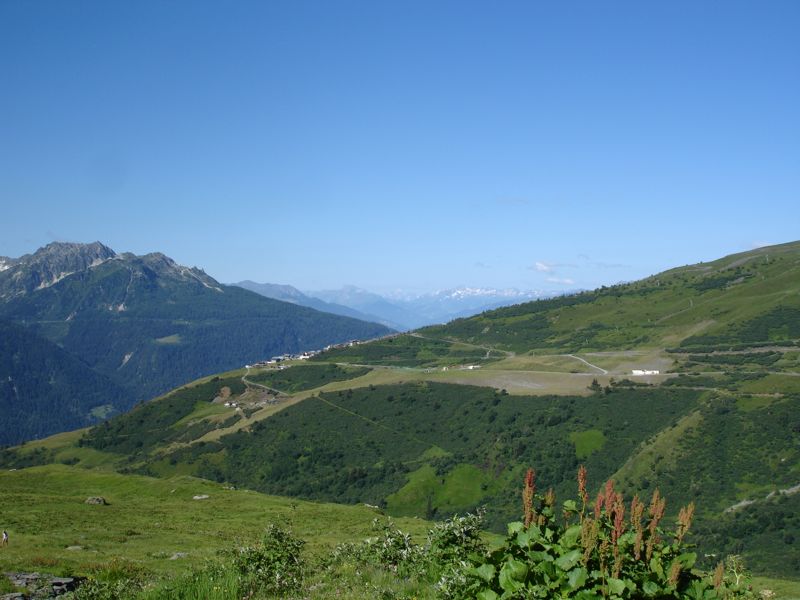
[{"x": 49, "y": 265}]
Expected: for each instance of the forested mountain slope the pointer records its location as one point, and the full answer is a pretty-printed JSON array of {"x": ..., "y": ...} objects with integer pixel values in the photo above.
[{"x": 149, "y": 324}]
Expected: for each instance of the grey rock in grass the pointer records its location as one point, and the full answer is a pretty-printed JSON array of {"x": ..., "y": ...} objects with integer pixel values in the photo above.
[
  {"x": 40, "y": 586},
  {"x": 96, "y": 500}
]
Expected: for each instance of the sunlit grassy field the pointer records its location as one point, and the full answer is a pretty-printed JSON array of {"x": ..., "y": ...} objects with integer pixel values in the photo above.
[{"x": 152, "y": 522}]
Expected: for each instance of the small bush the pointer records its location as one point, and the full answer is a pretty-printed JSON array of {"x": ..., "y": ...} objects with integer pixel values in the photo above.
[
  {"x": 274, "y": 564},
  {"x": 590, "y": 551}
]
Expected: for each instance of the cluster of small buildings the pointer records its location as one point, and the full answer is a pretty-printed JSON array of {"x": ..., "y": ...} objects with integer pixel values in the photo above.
[
  {"x": 283, "y": 357},
  {"x": 349, "y": 344},
  {"x": 639, "y": 372},
  {"x": 352, "y": 343}
]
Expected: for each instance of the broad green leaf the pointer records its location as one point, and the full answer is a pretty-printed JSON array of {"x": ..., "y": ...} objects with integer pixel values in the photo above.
[
  {"x": 656, "y": 567},
  {"x": 571, "y": 536},
  {"x": 570, "y": 505},
  {"x": 617, "y": 586},
  {"x": 539, "y": 557},
  {"x": 687, "y": 559},
  {"x": 577, "y": 577},
  {"x": 650, "y": 588},
  {"x": 512, "y": 574},
  {"x": 485, "y": 572},
  {"x": 515, "y": 527},
  {"x": 523, "y": 538},
  {"x": 487, "y": 595},
  {"x": 568, "y": 560},
  {"x": 548, "y": 569},
  {"x": 517, "y": 569}
]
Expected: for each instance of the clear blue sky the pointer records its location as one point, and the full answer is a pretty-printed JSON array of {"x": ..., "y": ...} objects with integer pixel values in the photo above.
[{"x": 402, "y": 144}]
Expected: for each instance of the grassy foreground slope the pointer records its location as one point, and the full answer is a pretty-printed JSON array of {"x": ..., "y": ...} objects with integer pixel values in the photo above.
[{"x": 154, "y": 523}]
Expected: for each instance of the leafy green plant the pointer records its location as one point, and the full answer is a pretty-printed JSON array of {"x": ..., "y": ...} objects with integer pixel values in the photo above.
[
  {"x": 274, "y": 564},
  {"x": 448, "y": 547},
  {"x": 604, "y": 549}
]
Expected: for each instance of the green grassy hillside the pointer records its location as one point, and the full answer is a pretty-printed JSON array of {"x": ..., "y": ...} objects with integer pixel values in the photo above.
[
  {"x": 743, "y": 299},
  {"x": 147, "y": 521},
  {"x": 447, "y": 419}
]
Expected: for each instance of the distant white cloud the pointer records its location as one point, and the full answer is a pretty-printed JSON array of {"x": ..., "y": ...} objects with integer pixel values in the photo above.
[
  {"x": 605, "y": 265},
  {"x": 561, "y": 280},
  {"x": 550, "y": 267}
]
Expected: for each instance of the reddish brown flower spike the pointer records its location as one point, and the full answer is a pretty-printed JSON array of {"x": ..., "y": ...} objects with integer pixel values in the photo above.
[
  {"x": 528, "y": 491},
  {"x": 685, "y": 521},
  {"x": 582, "y": 484},
  {"x": 598, "y": 504},
  {"x": 619, "y": 518},
  {"x": 719, "y": 575},
  {"x": 611, "y": 497}
]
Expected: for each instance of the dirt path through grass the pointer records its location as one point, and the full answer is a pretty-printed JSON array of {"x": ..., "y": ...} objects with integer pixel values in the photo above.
[
  {"x": 603, "y": 371},
  {"x": 249, "y": 383}
]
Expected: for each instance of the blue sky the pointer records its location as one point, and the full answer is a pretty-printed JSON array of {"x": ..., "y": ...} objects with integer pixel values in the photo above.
[{"x": 415, "y": 145}]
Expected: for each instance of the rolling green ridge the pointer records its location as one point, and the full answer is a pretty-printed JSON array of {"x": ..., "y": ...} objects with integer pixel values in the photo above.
[
  {"x": 742, "y": 299},
  {"x": 306, "y": 377}
]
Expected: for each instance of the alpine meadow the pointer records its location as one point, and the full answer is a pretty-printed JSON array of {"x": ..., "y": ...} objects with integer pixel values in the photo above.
[{"x": 683, "y": 386}]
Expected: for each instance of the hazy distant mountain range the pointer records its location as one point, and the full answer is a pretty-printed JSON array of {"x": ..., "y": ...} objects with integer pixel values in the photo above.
[
  {"x": 87, "y": 331},
  {"x": 401, "y": 312}
]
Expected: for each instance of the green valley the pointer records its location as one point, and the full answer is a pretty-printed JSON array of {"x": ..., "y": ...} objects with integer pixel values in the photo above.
[{"x": 686, "y": 383}]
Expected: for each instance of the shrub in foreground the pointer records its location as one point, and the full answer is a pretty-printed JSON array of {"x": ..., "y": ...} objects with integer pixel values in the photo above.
[{"x": 602, "y": 549}]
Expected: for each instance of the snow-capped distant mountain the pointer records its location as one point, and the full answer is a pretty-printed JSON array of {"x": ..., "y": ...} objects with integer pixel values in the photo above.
[
  {"x": 446, "y": 305},
  {"x": 409, "y": 311}
]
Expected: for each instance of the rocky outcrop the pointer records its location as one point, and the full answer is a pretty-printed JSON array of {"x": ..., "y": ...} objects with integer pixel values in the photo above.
[
  {"x": 96, "y": 500},
  {"x": 40, "y": 586},
  {"x": 49, "y": 265}
]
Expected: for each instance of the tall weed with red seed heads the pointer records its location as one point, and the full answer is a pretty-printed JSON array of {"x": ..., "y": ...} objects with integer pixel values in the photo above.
[
  {"x": 657, "y": 507},
  {"x": 582, "y": 487},
  {"x": 684, "y": 521},
  {"x": 528, "y": 493},
  {"x": 604, "y": 555},
  {"x": 637, "y": 512}
]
